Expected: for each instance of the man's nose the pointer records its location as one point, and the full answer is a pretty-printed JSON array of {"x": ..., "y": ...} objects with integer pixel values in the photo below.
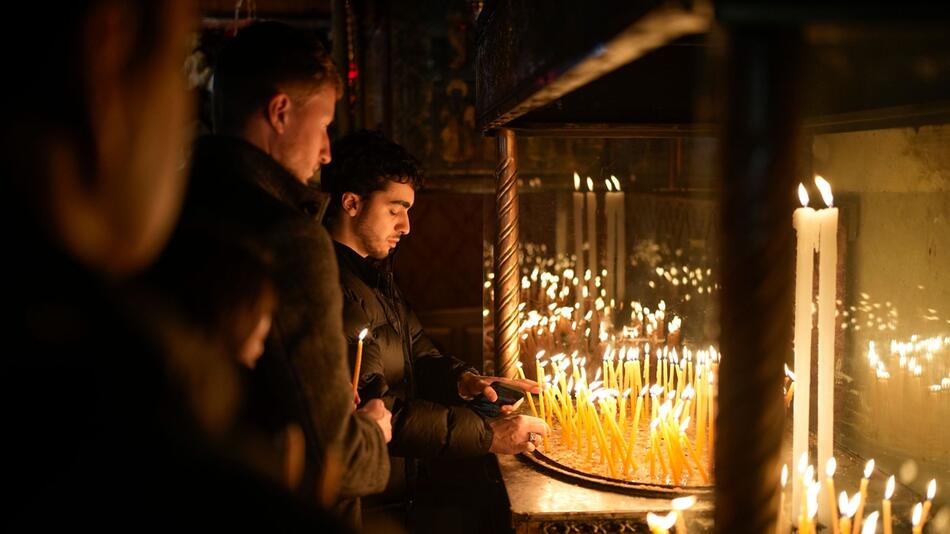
[
  {"x": 403, "y": 225},
  {"x": 325, "y": 155}
]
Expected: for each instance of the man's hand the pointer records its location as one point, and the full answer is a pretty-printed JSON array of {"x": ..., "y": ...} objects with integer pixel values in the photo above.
[
  {"x": 472, "y": 385},
  {"x": 376, "y": 410},
  {"x": 511, "y": 434}
]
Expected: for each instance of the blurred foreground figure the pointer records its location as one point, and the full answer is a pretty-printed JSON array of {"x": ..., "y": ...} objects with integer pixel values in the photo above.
[{"x": 111, "y": 419}]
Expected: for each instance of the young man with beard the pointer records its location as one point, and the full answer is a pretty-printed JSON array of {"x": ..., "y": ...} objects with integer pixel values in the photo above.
[{"x": 372, "y": 184}]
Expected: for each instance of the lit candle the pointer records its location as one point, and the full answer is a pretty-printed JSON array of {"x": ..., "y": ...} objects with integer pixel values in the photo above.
[
  {"x": 915, "y": 519},
  {"x": 621, "y": 218},
  {"x": 594, "y": 260},
  {"x": 827, "y": 286},
  {"x": 359, "y": 361},
  {"x": 661, "y": 524},
  {"x": 863, "y": 494},
  {"x": 534, "y": 411},
  {"x": 886, "y": 505},
  {"x": 781, "y": 526},
  {"x": 931, "y": 493},
  {"x": 610, "y": 211},
  {"x": 578, "y": 200},
  {"x": 679, "y": 506},
  {"x": 848, "y": 507},
  {"x": 830, "y": 488},
  {"x": 806, "y": 228},
  {"x": 870, "y": 526}
]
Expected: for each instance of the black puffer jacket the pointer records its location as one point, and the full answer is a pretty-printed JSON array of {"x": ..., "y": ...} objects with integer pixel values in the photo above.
[{"x": 401, "y": 366}]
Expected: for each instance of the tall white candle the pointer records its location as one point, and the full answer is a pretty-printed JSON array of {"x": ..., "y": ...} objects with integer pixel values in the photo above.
[
  {"x": 610, "y": 210},
  {"x": 827, "y": 285},
  {"x": 621, "y": 268},
  {"x": 560, "y": 224},
  {"x": 593, "y": 260},
  {"x": 579, "y": 268},
  {"x": 805, "y": 223}
]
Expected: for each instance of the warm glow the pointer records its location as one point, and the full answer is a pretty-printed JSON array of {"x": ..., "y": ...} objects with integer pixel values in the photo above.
[
  {"x": 789, "y": 373},
  {"x": 784, "y": 474},
  {"x": 853, "y": 504},
  {"x": 662, "y": 522},
  {"x": 917, "y": 512},
  {"x": 870, "y": 524},
  {"x": 869, "y": 468},
  {"x": 843, "y": 502},
  {"x": 889, "y": 491},
  {"x": 684, "y": 425},
  {"x": 931, "y": 489},
  {"x": 825, "y": 188},
  {"x": 803, "y": 462},
  {"x": 363, "y": 333},
  {"x": 802, "y": 194},
  {"x": 610, "y": 185},
  {"x": 590, "y": 184},
  {"x": 577, "y": 182},
  {"x": 830, "y": 467},
  {"x": 616, "y": 182},
  {"x": 539, "y": 355},
  {"x": 683, "y": 503}
]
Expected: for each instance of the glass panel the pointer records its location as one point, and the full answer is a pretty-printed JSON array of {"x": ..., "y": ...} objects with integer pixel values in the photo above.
[{"x": 618, "y": 240}]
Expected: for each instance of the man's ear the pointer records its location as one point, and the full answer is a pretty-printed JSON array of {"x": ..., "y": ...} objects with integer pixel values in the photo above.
[
  {"x": 278, "y": 112},
  {"x": 351, "y": 203}
]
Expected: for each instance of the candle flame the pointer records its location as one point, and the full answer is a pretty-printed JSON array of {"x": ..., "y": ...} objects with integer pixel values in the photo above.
[
  {"x": 539, "y": 355},
  {"x": 830, "y": 467},
  {"x": 683, "y": 503},
  {"x": 803, "y": 462},
  {"x": 869, "y": 468},
  {"x": 610, "y": 185},
  {"x": 363, "y": 333},
  {"x": 802, "y": 195},
  {"x": 917, "y": 513},
  {"x": 853, "y": 504},
  {"x": 889, "y": 491},
  {"x": 590, "y": 184},
  {"x": 684, "y": 425},
  {"x": 843, "y": 502},
  {"x": 870, "y": 524},
  {"x": 931, "y": 489},
  {"x": 616, "y": 182},
  {"x": 825, "y": 188},
  {"x": 789, "y": 373},
  {"x": 661, "y": 522},
  {"x": 784, "y": 474},
  {"x": 577, "y": 182}
]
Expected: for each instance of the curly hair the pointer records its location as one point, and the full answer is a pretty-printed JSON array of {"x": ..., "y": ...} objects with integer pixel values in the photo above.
[{"x": 363, "y": 161}]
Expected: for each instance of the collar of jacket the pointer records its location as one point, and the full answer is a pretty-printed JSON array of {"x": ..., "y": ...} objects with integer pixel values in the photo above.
[
  {"x": 250, "y": 163},
  {"x": 376, "y": 273}
]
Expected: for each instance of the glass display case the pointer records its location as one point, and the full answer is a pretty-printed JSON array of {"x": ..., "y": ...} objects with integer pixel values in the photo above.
[{"x": 668, "y": 212}]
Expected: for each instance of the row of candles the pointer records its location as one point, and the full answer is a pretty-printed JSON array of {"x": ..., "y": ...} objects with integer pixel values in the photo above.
[
  {"x": 847, "y": 513},
  {"x": 603, "y": 416},
  {"x": 912, "y": 355}
]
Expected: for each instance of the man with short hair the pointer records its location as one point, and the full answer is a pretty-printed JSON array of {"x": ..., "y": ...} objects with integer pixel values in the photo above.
[
  {"x": 372, "y": 184},
  {"x": 274, "y": 93}
]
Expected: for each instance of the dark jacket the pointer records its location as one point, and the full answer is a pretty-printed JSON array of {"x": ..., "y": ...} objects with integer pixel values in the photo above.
[
  {"x": 303, "y": 374},
  {"x": 104, "y": 410},
  {"x": 401, "y": 366}
]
